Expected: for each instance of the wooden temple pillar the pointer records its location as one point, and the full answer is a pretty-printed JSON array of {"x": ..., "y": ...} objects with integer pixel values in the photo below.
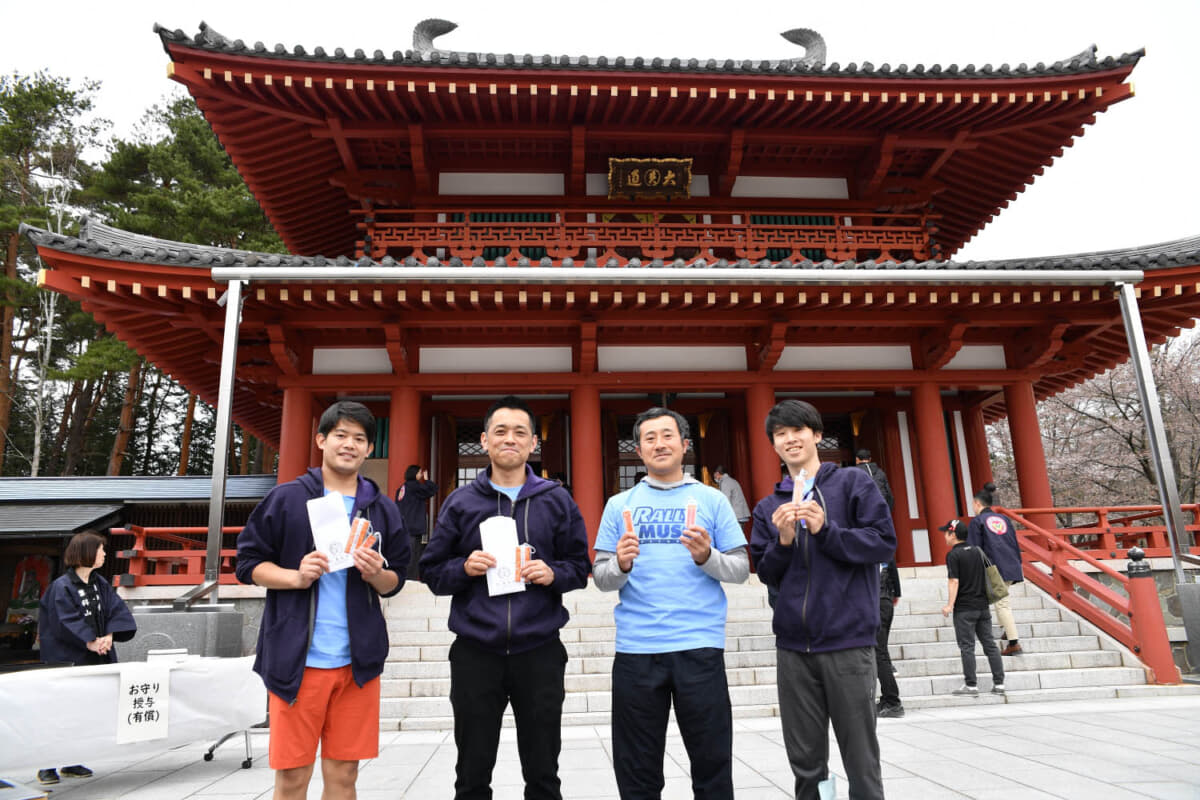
[
  {"x": 587, "y": 461},
  {"x": 978, "y": 458},
  {"x": 937, "y": 482},
  {"x": 295, "y": 433},
  {"x": 893, "y": 465},
  {"x": 764, "y": 461},
  {"x": 1028, "y": 455},
  {"x": 404, "y": 434}
]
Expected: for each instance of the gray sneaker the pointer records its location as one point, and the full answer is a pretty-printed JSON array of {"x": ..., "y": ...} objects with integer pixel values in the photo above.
[
  {"x": 968, "y": 691},
  {"x": 998, "y": 688},
  {"x": 894, "y": 712}
]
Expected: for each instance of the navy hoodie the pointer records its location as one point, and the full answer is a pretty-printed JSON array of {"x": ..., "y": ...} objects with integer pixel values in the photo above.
[
  {"x": 997, "y": 537},
  {"x": 546, "y": 518},
  {"x": 828, "y": 582},
  {"x": 278, "y": 531}
]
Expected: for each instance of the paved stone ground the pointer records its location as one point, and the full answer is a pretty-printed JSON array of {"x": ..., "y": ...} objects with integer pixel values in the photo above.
[{"x": 1088, "y": 749}]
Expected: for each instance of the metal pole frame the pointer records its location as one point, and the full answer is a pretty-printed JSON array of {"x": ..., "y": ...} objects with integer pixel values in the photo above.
[
  {"x": 232, "y": 300},
  {"x": 1164, "y": 468}
]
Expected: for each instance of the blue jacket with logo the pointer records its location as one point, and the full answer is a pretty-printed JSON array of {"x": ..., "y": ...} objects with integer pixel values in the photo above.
[
  {"x": 546, "y": 518},
  {"x": 995, "y": 534},
  {"x": 278, "y": 531},
  {"x": 828, "y": 582}
]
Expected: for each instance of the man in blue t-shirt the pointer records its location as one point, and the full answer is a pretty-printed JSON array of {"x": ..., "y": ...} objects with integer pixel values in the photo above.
[
  {"x": 323, "y": 639},
  {"x": 667, "y": 544}
]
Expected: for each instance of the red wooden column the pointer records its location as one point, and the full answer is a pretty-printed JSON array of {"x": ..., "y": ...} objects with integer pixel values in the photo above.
[
  {"x": 587, "y": 467},
  {"x": 404, "y": 434},
  {"x": 764, "y": 461},
  {"x": 893, "y": 464},
  {"x": 1030, "y": 458},
  {"x": 295, "y": 433},
  {"x": 933, "y": 459},
  {"x": 977, "y": 448}
]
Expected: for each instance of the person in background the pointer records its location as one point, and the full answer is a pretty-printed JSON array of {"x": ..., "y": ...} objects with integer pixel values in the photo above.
[
  {"x": 666, "y": 545},
  {"x": 323, "y": 639},
  {"x": 862, "y": 459},
  {"x": 889, "y": 704},
  {"x": 995, "y": 535},
  {"x": 79, "y": 618},
  {"x": 413, "y": 499},
  {"x": 507, "y": 647},
  {"x": 733, "y": 493},
  {"x": 966, "y": 596},
  {"x": 820, "y": 537}
]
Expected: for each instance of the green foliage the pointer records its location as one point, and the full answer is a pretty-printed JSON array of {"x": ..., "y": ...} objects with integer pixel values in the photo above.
[
  {"x": 43, "y": 132},
  {"x": 179, "y": 184}
]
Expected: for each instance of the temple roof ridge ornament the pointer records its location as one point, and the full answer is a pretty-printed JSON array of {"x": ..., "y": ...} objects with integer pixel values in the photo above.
[
  {"x": 813, "y": 44},
  {"x": 426, "y": 31},
  {"x": 813, "y": 63}
]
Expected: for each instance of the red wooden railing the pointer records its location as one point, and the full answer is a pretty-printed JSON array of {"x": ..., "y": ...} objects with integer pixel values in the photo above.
[
  {"x": 170, "y": 556},
  {"x": 620, "y": 234},
  {"x": 1130, "y": 612}
]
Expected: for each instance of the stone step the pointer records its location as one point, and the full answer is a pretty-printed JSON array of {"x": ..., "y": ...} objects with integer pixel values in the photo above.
[
  {"x": 1022, "y": 663},
  {"x": 426, "y": 670},
  {"x": 1061, "y": 640}
]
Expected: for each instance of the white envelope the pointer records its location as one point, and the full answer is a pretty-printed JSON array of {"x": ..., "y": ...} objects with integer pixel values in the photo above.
[
  {"x": 499, "y": 537},
  {"x": 331, "y": 529}
]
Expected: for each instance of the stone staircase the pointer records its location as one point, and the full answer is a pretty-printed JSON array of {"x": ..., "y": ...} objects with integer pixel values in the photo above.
[{"x": 1065, "y": 657}]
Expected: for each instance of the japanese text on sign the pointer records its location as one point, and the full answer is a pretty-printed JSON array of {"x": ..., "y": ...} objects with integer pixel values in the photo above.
[
  {"x": 649, "y": 177},
  {"x": 143, "y": 702}
]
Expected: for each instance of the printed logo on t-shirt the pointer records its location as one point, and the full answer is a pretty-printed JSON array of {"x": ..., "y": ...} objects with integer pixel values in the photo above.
[
  {"x": 996, "y": 525},
  {"x": 659, "y": 525}
]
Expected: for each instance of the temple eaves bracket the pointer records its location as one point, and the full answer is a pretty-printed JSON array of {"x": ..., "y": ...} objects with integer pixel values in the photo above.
[{"x": 937, "y": 348}]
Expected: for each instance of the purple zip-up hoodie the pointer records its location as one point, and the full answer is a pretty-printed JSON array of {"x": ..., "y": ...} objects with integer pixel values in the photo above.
[
  {"x": 546, "y": 518},
  {"x": 828, "y": 582},
  {"x": 278, "y": 531}
]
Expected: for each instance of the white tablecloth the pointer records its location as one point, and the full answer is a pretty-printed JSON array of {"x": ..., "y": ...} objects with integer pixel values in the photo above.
[{"x": 50, "y": 717}]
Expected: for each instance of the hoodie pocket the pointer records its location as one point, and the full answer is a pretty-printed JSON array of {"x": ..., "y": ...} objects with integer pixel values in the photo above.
[{"x": 285, "y": 648}]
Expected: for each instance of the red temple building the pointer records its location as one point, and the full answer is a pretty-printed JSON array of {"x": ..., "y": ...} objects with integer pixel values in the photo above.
[{"x": 604, "y": 234}]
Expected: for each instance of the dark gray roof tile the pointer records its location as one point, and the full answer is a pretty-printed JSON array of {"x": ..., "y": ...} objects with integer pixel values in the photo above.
[
  {"x": 97, "y": 238},
  {"x": 208, "y": 39}
]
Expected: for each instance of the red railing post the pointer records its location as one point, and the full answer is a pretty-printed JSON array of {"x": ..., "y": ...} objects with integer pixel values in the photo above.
[{"x": 1146, "y": 620}]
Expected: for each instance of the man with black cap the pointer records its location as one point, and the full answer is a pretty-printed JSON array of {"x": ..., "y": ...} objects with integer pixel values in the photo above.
[{"x": 967, "y": 598}]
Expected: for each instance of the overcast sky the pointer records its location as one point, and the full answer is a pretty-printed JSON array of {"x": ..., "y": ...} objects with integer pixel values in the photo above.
[{"x": 1133, "y": 178}]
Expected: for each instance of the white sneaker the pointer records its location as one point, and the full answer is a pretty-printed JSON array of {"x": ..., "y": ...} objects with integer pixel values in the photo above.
[
  {"x": 998, "y": 688},
  {"x": 969, "y": 691}
]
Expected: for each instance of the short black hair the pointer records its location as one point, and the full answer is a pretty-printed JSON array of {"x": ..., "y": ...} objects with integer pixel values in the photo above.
[
  {"x": 516, "y": 404},
  {"x": 719, "y": 470},
  {"x": 351, "y": 411},
  {"x": 410, "y": 474},
  {"x": 987, "y": 495},
  {"x": 82, "y": 549},
  {"x": 863, "y": 454},
  {"x": 793, "y": 414},
  {"x": 685, "y": 432}
]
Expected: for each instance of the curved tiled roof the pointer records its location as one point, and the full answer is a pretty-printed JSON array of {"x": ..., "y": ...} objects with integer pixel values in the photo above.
[
  {"x": 209, "y": 40},
  {"x": 104, "y": 241}
]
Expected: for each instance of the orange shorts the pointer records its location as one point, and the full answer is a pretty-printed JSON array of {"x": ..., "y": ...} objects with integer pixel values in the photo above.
[{"x": 331, "y": 709}]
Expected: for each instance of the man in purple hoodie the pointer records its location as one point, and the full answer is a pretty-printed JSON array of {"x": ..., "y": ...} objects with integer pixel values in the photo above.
[
  {"x": 508, "y": 647},
  {"x": 822, "y": 543},
  {"x": 323, "y": 639}
]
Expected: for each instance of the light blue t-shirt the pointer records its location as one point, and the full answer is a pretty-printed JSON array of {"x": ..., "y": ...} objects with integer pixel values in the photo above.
[
  {"x": 669, "y": 604},
  {"x": 330, "y": 647},
  {"x": 511, "y": 491}
]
